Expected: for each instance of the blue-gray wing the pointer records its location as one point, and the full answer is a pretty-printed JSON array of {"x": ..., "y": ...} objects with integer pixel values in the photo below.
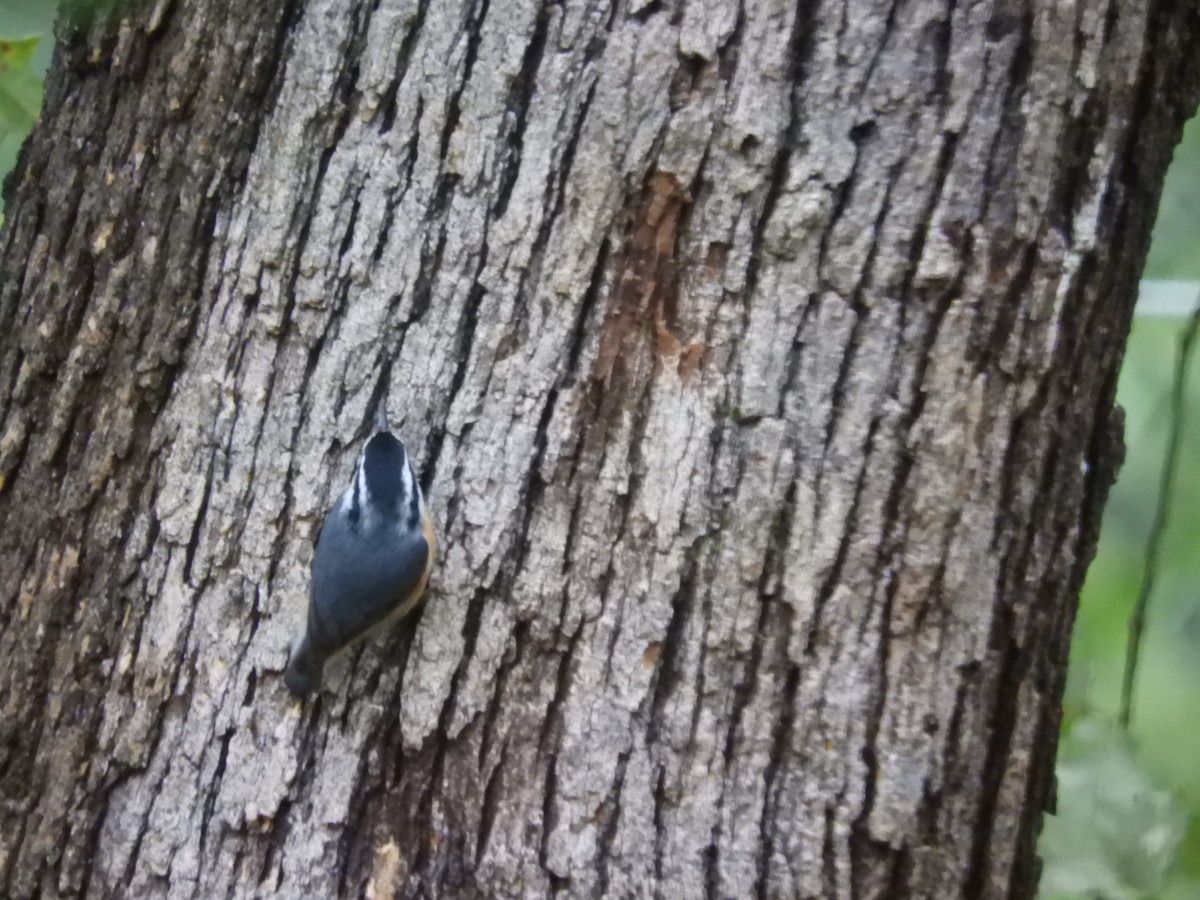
[{"x": 358, "y": 580}]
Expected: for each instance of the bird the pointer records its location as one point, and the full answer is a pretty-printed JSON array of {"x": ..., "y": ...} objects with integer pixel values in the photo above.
[{"x": 373, "y": 558}]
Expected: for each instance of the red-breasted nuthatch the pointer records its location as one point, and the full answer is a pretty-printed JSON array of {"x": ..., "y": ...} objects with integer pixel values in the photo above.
[{"x": 372, "y": 561}]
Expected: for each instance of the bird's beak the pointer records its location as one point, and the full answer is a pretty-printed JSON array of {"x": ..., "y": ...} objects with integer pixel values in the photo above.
[{"x": 381, "y": 422}]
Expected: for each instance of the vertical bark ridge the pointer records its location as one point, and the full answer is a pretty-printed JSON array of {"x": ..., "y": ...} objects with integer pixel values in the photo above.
[{"x": 760, "y": 364}]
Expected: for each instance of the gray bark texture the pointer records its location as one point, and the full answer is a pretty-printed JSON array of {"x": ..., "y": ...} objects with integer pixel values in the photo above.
[{"x": 759, "y": 359}]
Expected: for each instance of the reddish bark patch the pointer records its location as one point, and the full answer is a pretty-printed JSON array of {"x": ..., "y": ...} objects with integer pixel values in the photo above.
[{"x": 646, "y": 291}]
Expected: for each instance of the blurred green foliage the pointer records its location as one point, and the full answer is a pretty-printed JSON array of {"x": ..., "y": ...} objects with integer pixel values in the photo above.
[
  {"x": 1115, "y": 834},
  {"x": 1111, "y": 787},
  {"x": 1175, "y": 246},
  {"x": 23, "y": 59},
  {"x": 1128, "y": 822},
  {"x": 20, "y": 87}
]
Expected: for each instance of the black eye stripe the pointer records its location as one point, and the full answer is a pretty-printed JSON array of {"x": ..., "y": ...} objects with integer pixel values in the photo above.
[
  {"x": 355, "y": 500},
  {"x": 414, "y": 499}
]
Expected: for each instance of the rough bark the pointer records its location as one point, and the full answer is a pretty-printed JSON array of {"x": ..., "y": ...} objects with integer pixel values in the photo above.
[{"x": 759, "y": 359}]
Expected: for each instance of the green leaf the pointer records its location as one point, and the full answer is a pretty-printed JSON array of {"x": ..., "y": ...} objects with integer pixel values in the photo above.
[
  {"x": 20, "y": 100},
  {"x": 15, "y": 53},
  {"x": 82, "y": 13}
]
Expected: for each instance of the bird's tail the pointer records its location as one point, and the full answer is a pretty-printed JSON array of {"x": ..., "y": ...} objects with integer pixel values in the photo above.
[{"x": 304, "y": 668}]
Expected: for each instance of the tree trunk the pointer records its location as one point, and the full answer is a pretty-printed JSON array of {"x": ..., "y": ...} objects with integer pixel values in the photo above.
[{"x": 759, "y": 361}]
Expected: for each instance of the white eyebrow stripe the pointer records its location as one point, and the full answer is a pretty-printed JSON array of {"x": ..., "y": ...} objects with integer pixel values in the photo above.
[
  {"x": 410, "y": 483},
  {"x": 360, "y": 478}
]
